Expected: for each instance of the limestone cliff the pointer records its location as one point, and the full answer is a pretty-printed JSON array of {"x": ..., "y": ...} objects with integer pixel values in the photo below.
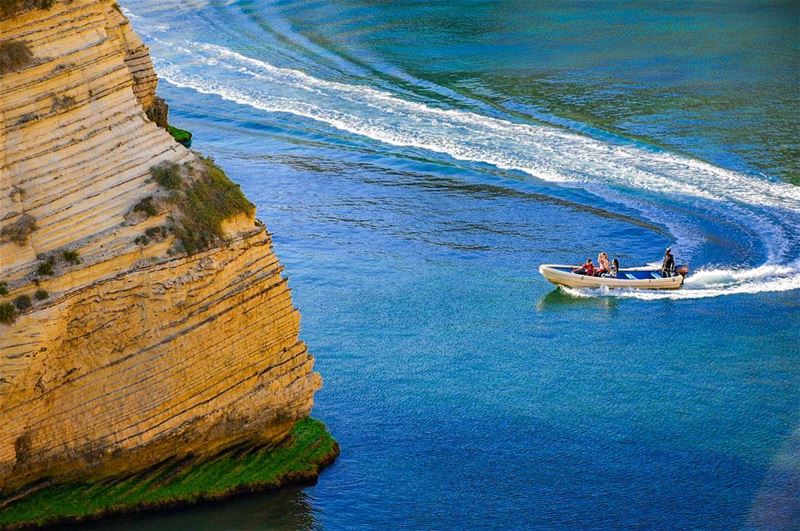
[{"x": 133, "y": 351}]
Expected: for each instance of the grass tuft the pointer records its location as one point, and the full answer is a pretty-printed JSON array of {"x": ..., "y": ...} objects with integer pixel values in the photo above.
[
  {"x": 156, "y": 233},
  {"x": 71, "y": 256},
  {"x": 23, "y": 302},
  {"x": 167, "y": 174},
  {"x": 146, "y": 206},
  {"x": 45, "y": 268},
  {"x": 8, "y": 312},
  {"x": 3, "y": 288},
  {"x": 41, "y": 295}
]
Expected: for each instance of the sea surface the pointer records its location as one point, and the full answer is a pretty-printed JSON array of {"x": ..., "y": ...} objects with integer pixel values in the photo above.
[{"x": 416, "y": 161}]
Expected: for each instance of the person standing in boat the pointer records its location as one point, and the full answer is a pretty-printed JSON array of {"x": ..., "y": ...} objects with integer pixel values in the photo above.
[
  {"x": 668, "y": 265},
  {"x": 602, "y": 264}
]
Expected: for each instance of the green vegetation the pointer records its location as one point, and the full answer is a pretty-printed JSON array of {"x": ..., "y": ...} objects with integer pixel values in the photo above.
[
  {"x": 8, "y": 312},
  {"x": 13, "y": 56},
  {"x": 299, "y": 460},
  {"x": 146, "y": 206},
  {"x": 23, "y": 302},
  {"x": 19, "y": 231},
  {"x": 45, "y": 268},
  {"x": 206, "y": 203},
  {"x": 3, "y": 288},
  {"x": 180, "y": 135},
  {"x": 205, "y": 198},
  {"x": 156, "y": 233},
  {"x": 152, "y": 233},
  {"x": 167, "y": 175},
  {"x": 71, "y": 256},
  {"x": 41, "y": 295},
  {"x": 12, "y": 7}
]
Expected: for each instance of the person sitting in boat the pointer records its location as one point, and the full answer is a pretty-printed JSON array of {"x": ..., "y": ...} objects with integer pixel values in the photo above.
[
  {"x": 602, "y": 264},
  {"x": 668, "y": 265},
  {"x": 586, "y": 269},
  {"x": 613, "y": 270}
]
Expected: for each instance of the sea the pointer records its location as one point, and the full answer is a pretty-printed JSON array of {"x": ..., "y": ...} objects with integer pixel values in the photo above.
[{"x": 416, "y": 161}]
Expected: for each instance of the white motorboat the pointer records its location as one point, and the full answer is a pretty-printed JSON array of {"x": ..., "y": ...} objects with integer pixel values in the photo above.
[{"x": 635, "y": 278}]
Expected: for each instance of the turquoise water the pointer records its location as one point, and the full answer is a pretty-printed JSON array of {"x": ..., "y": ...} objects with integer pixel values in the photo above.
[{"x": 417, "y": 161}]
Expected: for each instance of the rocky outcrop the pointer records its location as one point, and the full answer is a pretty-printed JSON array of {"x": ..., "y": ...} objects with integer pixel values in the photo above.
[
  {"x": 158, "y": 111},
  {"x": 132, "y": 352}
]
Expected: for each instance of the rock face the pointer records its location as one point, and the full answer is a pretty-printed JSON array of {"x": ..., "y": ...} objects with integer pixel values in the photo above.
[{"x": 140, "y": 353}]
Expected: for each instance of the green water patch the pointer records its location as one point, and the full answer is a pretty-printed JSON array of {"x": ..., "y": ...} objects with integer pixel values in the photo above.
[
  {"x": 181, "y": 136},
  {"x": 309, "y": 448}
]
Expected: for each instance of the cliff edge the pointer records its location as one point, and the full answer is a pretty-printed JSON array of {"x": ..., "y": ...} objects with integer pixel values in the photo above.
[{"x": 143, "y": 315}]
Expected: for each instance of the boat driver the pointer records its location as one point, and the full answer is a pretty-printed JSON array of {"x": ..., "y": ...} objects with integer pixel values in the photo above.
[{"x": 668, "y": 265}]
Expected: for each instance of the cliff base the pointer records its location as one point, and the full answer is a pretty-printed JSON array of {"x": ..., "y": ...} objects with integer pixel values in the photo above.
[{"x": 299, "y": 460}]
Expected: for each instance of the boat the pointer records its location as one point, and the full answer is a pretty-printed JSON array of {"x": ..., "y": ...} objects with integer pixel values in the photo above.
[{"x": 631, "y": 278}]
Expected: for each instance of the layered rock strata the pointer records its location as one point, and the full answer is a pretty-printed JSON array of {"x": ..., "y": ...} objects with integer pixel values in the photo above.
[{"x": 137, "y": 353}]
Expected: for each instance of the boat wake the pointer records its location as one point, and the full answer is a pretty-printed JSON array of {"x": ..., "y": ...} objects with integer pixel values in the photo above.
[
  {"x": 710, "y": 283},
  {"x": 664, "y": 186}
]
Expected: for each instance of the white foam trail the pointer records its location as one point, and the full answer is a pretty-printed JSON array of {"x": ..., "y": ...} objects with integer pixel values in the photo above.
[
  {"x": 769, "y": 209},
  {"x": 555, "y": 155},
  {"x": 719, "y": 278}
]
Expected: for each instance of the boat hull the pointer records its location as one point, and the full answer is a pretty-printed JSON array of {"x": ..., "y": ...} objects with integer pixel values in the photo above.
[{"x": 631, "y": 278}]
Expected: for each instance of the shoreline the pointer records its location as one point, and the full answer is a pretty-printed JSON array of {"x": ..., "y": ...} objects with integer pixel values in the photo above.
[{"x": 172, "y": 485}]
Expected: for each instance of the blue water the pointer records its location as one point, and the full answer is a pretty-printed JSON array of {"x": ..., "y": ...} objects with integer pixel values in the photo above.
[{"x": 417, "y": 161}]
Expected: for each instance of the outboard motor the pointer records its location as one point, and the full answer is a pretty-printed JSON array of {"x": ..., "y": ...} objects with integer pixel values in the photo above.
[{"x": 682, "y": 270}]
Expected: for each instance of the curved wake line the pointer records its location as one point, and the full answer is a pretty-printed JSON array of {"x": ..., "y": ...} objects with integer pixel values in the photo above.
[
  {"x": 769, "y": 210},
  {"x": 659, "y": 171}
]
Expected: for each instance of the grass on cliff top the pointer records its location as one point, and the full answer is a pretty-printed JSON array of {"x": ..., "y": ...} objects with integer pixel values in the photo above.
[
  {"x": 310, "y": 448},
  {"x": 205, "y": 202},
  {"x": 208, "y": 202}
]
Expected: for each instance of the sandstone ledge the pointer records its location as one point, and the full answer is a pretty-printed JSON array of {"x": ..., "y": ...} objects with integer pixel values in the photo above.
[{"x": 174, "y": 483}]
